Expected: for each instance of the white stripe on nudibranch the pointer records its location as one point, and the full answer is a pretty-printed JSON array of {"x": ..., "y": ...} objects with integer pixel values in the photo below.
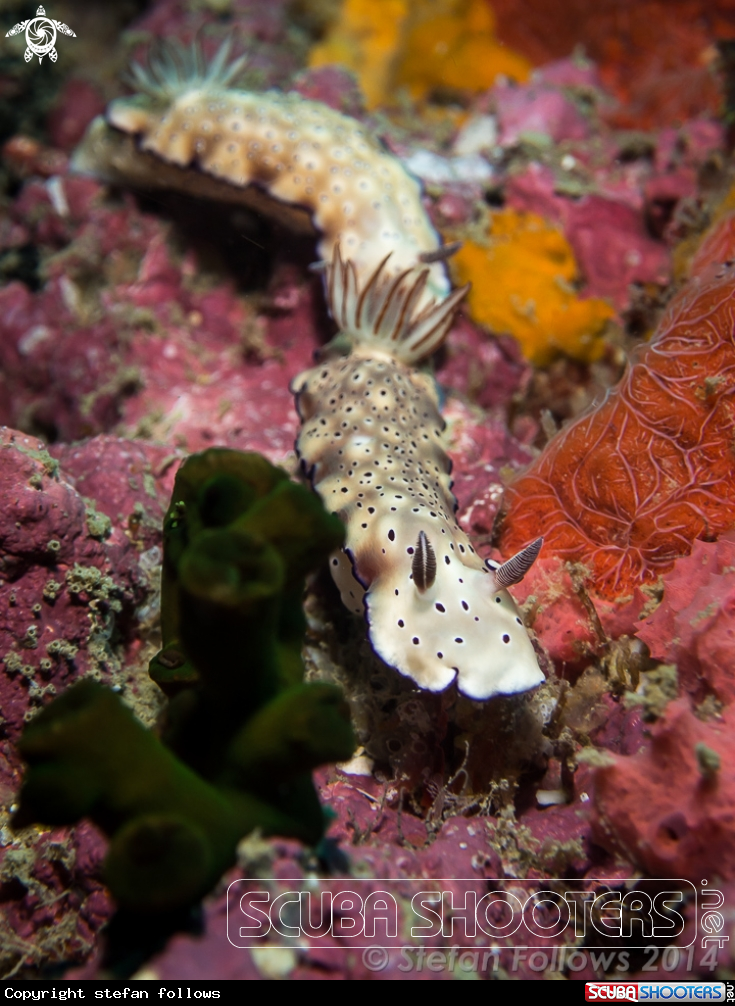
[
  {"x": 278, "y": 152},
  {"x": 371, "y": 443}
]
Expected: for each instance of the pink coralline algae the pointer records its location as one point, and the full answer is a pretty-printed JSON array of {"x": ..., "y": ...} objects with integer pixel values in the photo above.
[
  {"x": 628, "y": 254},
  {"x": 487, "y": 371},
  {"x": 694, "y": 626},
  {"x": 558, "y": 616},
  {"x": 629, "y": 198},
  {"x": 333, "y": 86},
  {"x": 195, "y": 389},
  {"x": 76, "y": 563},
  {"x": 538, "y": 109},
  {"x": 479, "y": 450},
  {"x": 80, "y": 537},
  {"x": 671, "y": 808},
  {"x": 151, "y": 352},
  {"x": 56, "y": 905},
  {"x": 76, "y": 106}
]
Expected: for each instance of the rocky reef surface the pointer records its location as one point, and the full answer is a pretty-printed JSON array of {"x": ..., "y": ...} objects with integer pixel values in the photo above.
[{"x": 139, "y": 327}]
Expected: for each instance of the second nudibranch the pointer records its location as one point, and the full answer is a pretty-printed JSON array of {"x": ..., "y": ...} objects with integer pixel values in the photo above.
[
  {"x": 190, "y": 130},
  {"x": 372, "y": 445}
]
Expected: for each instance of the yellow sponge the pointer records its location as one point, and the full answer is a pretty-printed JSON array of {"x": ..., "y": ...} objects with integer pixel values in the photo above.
[
  {"x": 522, "y": 285},
  {"x": 418, "y": 44}
]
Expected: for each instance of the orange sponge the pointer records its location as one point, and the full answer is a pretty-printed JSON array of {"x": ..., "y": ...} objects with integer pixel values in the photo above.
[
  {"x": 421, "y": 45},
  {"x": 522, "y": 284}
]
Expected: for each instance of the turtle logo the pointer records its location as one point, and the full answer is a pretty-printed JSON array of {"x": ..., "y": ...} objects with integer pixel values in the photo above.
[{"x": 40, "y": 35}]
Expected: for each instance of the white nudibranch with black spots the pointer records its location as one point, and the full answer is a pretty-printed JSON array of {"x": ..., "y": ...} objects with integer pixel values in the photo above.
[
  {"x": 371, "y": 440},
  {"x": 371, "y": 443}
]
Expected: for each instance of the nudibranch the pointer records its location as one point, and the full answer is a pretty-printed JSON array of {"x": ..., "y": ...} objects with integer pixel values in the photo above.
[
  {"x": 371, "y": 440},
  {"x": 371, "y": 443},
  {"x": 297, "y": 160}
]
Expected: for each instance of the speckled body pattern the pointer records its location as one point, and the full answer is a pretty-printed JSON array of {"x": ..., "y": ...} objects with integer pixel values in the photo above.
[
  {"x": 372, "y": 444},
  {"x": 296, "y": 152}
]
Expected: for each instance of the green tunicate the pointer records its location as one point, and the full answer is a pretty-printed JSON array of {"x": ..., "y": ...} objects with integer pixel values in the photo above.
[{"x": 242, "y": 730}]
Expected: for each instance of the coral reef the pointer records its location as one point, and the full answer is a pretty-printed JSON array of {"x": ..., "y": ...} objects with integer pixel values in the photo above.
[
  {"x": 239, "y": 538},
  {"x": 672, "y": 831},
  {"x": 165, "y": 322},
  {"x": 693, "y": 625}
]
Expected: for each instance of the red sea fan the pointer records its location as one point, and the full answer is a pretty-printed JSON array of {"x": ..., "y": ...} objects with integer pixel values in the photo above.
[{"x": 628, "y": 487}]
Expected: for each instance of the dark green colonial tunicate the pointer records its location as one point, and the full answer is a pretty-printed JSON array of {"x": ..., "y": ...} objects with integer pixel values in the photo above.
[{"x": 242, "y": 730}]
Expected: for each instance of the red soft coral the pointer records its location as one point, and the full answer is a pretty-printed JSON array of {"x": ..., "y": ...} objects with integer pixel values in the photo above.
[{"x": 628, "y": 487}]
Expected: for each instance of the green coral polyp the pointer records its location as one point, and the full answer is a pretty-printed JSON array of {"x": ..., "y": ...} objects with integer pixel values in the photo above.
[{"x": 242, "y": 730}]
